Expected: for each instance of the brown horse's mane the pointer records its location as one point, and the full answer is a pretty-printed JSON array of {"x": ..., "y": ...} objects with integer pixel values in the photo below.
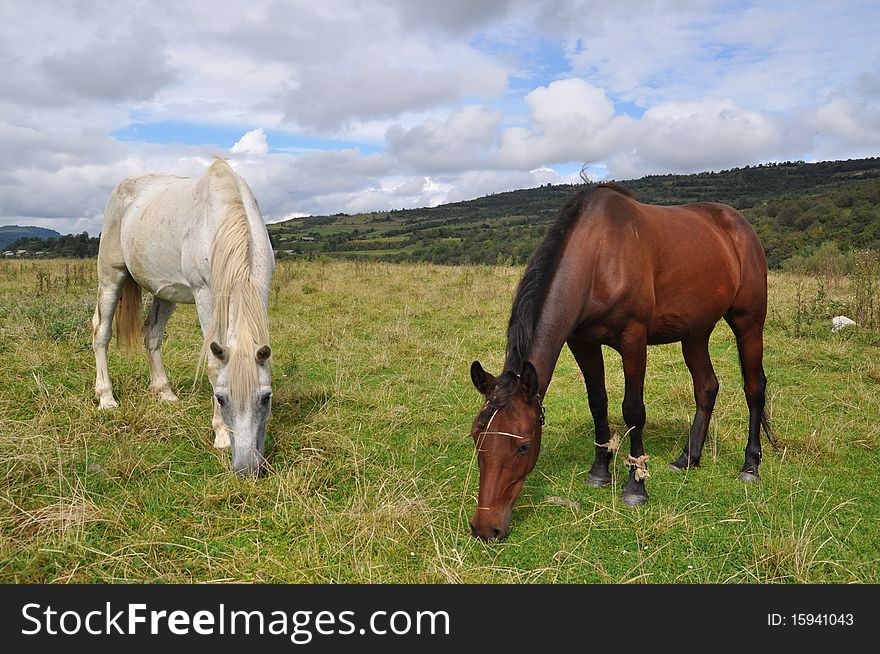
[{"x": 535, "y": 283}]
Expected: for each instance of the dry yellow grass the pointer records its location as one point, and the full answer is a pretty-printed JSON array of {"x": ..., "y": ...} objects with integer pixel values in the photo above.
[{"x": 373, "y": 477}]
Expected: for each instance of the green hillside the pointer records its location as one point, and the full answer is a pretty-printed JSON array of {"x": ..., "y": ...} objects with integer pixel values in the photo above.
[
  {"x": 794, "y": 206},
  {"x": 11, "y": 233}
]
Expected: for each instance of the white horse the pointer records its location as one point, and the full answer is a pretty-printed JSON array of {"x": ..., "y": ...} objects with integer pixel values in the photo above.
[{"x": 199, "y": 241}]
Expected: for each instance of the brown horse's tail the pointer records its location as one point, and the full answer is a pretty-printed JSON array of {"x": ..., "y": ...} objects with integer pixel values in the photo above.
[
  {"x": 765, "y": 423},
  {"x": 129, "y": 324}
]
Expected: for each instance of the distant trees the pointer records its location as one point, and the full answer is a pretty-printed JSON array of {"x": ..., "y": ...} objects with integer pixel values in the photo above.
[{"x": 69, "y": 246}]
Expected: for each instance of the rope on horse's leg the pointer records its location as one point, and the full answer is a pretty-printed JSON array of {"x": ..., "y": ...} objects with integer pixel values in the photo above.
[
  {"x": 613, "y": 444},
  {"x": 640, "y": 464}
]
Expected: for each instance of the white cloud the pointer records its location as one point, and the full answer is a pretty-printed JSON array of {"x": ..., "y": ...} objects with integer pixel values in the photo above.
[
  {"x": 254, "y": 143},
  {"x": 328, "y": 99},
  {"x": 393, "y": 104},
  {"x": 571, "y": 120},
  {"x": 340, "y": 64},
  {"x": 132, "y": 66},
  {"x": 477, "y": 183},
  {"x": 458, "y": 143},
  {"x": 852, "y": 123},
  {"x": 451, "y": 16},
  {"x": 703, "y": 135}
]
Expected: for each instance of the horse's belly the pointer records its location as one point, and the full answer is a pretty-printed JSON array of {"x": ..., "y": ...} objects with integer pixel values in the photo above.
[
  {"x": 160, "y": 275},
  {"x": 673, "y": 330},
  {"x": 671, "y": 325},
  {"x": 176, "y": 293}
]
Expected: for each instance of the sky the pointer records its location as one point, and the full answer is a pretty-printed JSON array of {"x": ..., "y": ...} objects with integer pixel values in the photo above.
[{"x": 348, "y": 106}]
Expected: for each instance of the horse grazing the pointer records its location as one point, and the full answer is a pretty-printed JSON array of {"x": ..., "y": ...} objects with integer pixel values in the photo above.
[
  {"x": 199, "y": 241},
  {"x": 612, "y": 271}
]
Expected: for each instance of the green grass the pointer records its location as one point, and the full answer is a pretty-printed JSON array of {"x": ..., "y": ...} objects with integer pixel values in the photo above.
[{"x": 373, "y": 477}]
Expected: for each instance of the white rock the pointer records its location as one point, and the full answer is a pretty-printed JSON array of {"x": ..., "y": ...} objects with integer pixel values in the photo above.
[{"x": 841, "y": 322}]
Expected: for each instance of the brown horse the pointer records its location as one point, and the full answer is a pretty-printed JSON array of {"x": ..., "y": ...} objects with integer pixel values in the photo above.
[{"x": 612, "y": 271}]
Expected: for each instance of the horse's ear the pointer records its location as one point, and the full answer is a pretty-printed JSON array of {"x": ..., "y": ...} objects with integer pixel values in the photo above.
[
  {"x": 218, "y": 351},
  {"x": 528, "y": 378},
  {"x": 482, "y": 380},
  {"x": 263, "y": 354}
]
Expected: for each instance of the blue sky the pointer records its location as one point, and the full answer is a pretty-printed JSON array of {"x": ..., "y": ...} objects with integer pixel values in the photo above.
[
  {"x": 166, "y": 132},
  {"x": 352, "y": 106}
]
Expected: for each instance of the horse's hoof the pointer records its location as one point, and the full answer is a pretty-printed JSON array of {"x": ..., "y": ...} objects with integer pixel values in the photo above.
[
  {"x": 221, "y": 439},
  {"x": 634, "y": 499},
  {"x": 165, "y": 394},
  {"x": 749, "y": 477},
  {"x": 683, "y": 463},
  {"x": 598, "y": 481},
  {"x": 107, "y": 403}
]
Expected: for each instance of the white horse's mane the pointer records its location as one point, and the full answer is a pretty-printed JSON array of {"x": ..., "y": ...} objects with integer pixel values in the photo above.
[{"x": 239, "y": 320}]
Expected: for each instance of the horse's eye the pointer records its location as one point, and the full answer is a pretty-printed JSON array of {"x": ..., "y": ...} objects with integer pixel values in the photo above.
[
  {"x": 265, "y": 399},
  {"x": 220, "y": 399},
  {"x": 522, "y": 449}
]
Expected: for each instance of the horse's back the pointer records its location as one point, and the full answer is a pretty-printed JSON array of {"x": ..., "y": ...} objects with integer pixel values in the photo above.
[
  {"x": 678, "y": 269},
  {"x": 751, "y": 262},
  {"x": 123, "y": 202},
  {"x": 147, "y": 222},
  {"x": 135, "y": 191}
]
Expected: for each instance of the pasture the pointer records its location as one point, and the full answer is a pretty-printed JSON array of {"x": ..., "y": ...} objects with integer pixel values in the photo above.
[{"x": 373, "y": 474}]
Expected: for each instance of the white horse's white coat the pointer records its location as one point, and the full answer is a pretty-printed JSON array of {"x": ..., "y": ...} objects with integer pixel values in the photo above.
[{"x": 162, "y": 232}]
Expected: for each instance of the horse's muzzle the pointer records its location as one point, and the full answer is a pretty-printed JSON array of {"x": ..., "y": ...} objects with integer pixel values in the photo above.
[
  {"x": 489, "y": 532},
  {"x": 248, "y": 465}
]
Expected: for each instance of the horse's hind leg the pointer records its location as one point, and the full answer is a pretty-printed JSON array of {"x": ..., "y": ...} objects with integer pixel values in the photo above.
[
  {"x": 110, "y": 282},
  {"x": 633, "y": 350},
  {"x": 696, "y": 356},
  {"x": 589, "y": 360},
  {"x": 154, "y": 330},
  {"x": 750, "y": 343}
]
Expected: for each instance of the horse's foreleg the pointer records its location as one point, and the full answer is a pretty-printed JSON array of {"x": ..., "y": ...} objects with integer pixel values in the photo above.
[
  {"x": 204, "y": 307},
  {"x": 109, "y": 290},
  {"x": 154, "y": 330},
  {"x": 589, "y": 360},
  {"x": 696, "y": 356},
  {"x": 221, "y": 431},
  {"x": 634, "y": 352}
]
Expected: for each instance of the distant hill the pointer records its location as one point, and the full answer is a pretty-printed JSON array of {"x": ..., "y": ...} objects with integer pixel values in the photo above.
[
  {"x": 10, "y": 233},
  {"x": 794, "y": 206}
]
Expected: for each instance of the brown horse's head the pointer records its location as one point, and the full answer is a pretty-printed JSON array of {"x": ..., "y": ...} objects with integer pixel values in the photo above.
[{"x": 507, "y": 433}]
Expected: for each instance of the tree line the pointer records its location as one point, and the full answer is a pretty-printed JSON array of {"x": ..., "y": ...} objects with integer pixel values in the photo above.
[{"x": 68, "y": 246}]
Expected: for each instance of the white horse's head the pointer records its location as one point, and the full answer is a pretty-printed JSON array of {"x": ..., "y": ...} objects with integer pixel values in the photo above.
[{"x": 244, "y": 392}]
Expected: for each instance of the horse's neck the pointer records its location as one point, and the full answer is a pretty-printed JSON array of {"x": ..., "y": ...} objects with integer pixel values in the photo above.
[
  {"x": 241, "y": 262},
  {"x": 559, "y": 317},
  {"x": 262, "y": 259},
  {"x": 543, "y": 355}
]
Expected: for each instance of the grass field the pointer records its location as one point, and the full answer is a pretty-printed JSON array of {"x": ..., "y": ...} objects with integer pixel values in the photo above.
[{"x": 373, "y": 476}]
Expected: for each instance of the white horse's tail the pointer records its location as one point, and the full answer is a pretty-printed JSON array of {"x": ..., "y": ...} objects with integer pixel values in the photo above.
[{"x": 129, "y": 324}]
